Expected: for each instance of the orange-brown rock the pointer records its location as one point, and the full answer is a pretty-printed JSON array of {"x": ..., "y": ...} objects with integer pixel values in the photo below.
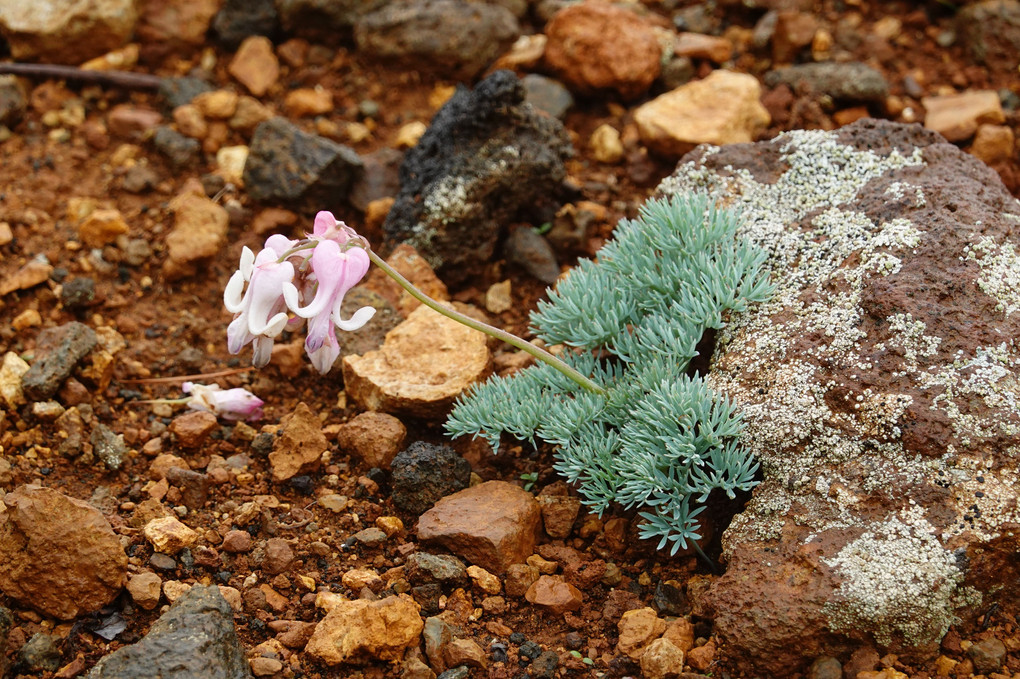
[
  {"x": 492, "y": 525},
  {"x": 598, "y": 46},
  {"x": 376, "y": 438},
  {"x": 58, "y": 555},
  {"x": 554, "y": 595},
  {"x": 638, "y": 628},
  {"x": 364, "y": 631}
]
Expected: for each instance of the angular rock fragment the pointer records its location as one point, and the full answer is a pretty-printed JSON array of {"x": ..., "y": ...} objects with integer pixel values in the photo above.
[{"x": 363, "y": 631}]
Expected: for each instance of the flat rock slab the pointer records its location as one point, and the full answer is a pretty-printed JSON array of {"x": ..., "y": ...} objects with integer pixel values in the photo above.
[
  {"x": 879, "y": 388},
  {"x": 424, "y": 364},
  {"x": 195, "y": 638},
  {"x": 58, "y": 555},
  {"x": 492, "y": 525}
]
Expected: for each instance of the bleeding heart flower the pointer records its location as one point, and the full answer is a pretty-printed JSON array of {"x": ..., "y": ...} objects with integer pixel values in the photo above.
[{"x": 230, "y": 404}]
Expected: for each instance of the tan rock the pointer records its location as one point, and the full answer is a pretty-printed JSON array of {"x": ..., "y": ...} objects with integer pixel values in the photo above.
[
  {"x": 424, "y": 364},
  {"x": 255, "y": 65},
  {"x": 544, "y": 566},
  {"x": 554, "y": 595},
  {"x": 605, "y": 144},
  {"x": 132, "y": 122},
  {"x": 958, "y": 116},
  {"x": 65, "y": 32},
  {"x": 358, "y": 578},
  {"x": 145, "y": 589},
  {"x": 638, "y": 628},
  {"x": 492, "y": 525},
  {"x": 308, "y": 101},
  {"x": 662, "y": 660},
  {"x": 409, "y": 134},
  {"x": 11, "y": 371},
  {"x": 299, "y": 449},
  {"x": 190, "y": 122},
  {"x": 484, "y": 580},
  {"x": 175, "y": 589},
  {"x": 595, "y": 46},
  {"x": 365, "y": 631},
  {"x": 993, "y": 143},
  {"x": 464, "y": 652},
  {"x": 34, "y": 272},
  {"x": 724, "y": 108},
  {"x": 391, "y": 525},
  {"x": 498, "y": 298},
  {"x": 376, "y": 438},
  {"x": 559, "y": 514},
  {"x": 168, "y": 535},
  {"x": 700, "y": 46},
  {"x": 58, "y": 555},
  {"x": 102, "y": 227},
  {"x": 794, "y": 31},
  {"x": 217, "y": 105},
  {"x": 250, "y": 112},
  {"x": 519, "y": 578},
  {"x": 199, "y": 232}
]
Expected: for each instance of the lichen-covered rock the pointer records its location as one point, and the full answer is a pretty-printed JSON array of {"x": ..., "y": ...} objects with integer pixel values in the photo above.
[
  {"x": 486, "y": 157},
  {"x": 879, "y": 389},
  {"x": 58, "y": 555}
]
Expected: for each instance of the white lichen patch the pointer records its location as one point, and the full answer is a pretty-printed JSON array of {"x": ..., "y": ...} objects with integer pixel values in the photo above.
[
  {"x": 896, "y": 579},
  {"x": 1000, "y": 272}
]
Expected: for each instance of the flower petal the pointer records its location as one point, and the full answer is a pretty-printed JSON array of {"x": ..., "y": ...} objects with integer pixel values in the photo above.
[
  {"x": 247, "y": 262},
  {"x": 324, "y": 221},
  {"x": 233, "y": 294},
  {"x": 357, "y": 321}
]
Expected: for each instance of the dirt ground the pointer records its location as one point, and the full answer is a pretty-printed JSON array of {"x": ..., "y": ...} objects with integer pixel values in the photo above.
[{"x": 174, "y": 329}]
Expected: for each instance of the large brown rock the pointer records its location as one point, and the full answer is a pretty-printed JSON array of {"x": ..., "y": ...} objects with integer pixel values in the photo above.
[
  {"x": 492, "y": 525},
  {"x": 424, "y": 364},
  {"x": 364, "y": 631},
  {"x": 595, "y": 46},
  {"x": 58, "y": 555},
  {"x": 66, "y": 32},
  {"x": 879, "y": 389}
]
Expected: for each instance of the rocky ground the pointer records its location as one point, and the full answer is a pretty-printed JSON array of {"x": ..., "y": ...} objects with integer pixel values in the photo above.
[{"x": 314, "y": 541}]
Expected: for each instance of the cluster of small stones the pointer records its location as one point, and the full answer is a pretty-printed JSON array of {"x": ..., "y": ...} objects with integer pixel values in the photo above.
[{"x": 830, "y": 436}]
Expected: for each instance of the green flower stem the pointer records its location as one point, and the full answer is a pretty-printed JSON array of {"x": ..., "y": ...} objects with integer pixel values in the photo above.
[{"x": 512, "y": 340}]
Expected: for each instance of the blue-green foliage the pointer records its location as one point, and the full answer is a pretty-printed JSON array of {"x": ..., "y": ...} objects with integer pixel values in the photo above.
[{"x": 658, "y": 439}]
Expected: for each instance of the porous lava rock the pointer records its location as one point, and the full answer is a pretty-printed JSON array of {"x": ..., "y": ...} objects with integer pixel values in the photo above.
[
  {"x": 879, "y": 390},
  {"x": 424, "y": 472},
  {"x": 58, "y": 555},
  {"x": 492, "y": 525},
  {"x": 486, "y": 157},
  {"x": 194, "y": 638}
]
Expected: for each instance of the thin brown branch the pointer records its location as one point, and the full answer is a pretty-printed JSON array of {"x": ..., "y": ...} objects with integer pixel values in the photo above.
[{"x": 127, "y": 79}]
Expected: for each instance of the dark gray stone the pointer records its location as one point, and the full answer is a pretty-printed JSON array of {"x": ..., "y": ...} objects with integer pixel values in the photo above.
[
  {"x": 487, "y": 158},
  {"x": 177, "y": 148},
  {"x": 545, "y": 665},
  {"x": 437, "y": 635},
  {"x": 6, "y": 621},
  {"x": 178, "y": 91},
  {"x": 990, "y": 31},
  {"x": 381, "y": 178},
  {"x": 844, "y": 81},
  {"x": 420, "y": 33},
  {"x": 78, "y": 294},
  {"x": 108, "y": 445},
  {"x": 422, "y": 567},
  {"x": 240, "y": 19},
  {"x": 40, "y": 653},
  {"x": 194, "y": 486},
  {"x": 547, "y": 95},
  {"x": 458, "y": 672},
  {"x": 423, "y": 473},
  {"x": 532, "y": 251},
  {"x": 58, "y": 352},
  {"x": 195, "y": 638},
  {"x": 12, "y": 101},
  {"x": 286, "y": 164}
]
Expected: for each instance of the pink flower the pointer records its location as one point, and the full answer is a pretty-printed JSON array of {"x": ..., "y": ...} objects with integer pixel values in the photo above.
[
  {"x": 230, "y": 404},
  {"x": 260, "y": 313}
]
